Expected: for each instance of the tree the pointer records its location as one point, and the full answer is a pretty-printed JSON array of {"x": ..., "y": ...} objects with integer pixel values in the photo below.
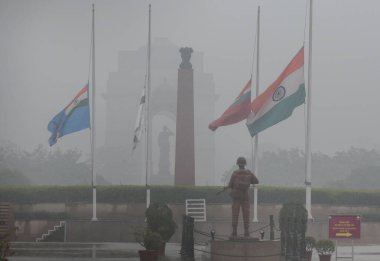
[
  {"x": 12, "y": 177},
  {"x": 42, "y": 167},
  {"x": 363, "y": 177}
]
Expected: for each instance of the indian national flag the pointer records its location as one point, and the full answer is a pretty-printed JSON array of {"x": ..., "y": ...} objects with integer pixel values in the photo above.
[
  {"x": 74, "y": 117},
  {"x": 238, "y": 110},
  {"x": 278, "y": 101}
]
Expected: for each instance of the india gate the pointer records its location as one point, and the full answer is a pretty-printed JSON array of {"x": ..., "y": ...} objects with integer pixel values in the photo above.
[{"x": 122, "y": 98}]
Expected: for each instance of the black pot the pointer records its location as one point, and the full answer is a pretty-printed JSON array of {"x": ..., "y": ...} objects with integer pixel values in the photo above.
[
  {"x": 149, "y": 255},
  {"x": 324, "y": 257}
]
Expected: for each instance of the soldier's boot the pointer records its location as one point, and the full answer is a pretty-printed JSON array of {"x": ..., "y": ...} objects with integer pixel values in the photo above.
[
  {"x": 246, "y": 231},
  {"x": 234, "y": 232}
]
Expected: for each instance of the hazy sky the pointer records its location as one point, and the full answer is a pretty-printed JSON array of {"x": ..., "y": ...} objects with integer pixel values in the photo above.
[{"x": 44, "y": 61}]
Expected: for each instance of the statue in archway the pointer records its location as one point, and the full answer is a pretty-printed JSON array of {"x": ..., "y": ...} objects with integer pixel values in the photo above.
[{"x": 164, "y": 148}]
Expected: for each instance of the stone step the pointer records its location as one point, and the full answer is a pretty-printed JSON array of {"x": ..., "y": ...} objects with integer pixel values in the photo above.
[{"x": 57, "y": 234}]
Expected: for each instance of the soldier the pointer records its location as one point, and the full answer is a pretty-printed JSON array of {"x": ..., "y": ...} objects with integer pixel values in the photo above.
[{"x": 239, "y": 184}]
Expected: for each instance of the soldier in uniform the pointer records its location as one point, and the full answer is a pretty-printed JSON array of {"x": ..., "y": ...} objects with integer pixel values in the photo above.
[{"x": 239, "y": 184}]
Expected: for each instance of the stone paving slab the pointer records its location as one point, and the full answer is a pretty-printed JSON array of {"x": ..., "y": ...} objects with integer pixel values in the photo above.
[{"x": 31, "y": 251}]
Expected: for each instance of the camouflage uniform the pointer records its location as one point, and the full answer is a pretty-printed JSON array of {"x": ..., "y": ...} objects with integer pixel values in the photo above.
[{"x": 239, "y": 183}]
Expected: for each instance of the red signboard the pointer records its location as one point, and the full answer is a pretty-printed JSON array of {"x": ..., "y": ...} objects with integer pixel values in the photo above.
[{"x": 344, "y": 227}]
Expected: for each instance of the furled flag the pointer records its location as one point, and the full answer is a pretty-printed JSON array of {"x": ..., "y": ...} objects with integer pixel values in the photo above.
[
  {"x": 278, "y": 101},
  {"x": 139, "y": 120},
  {"x": 238, "y": 111},
  {"x": 74, "y": 117}
]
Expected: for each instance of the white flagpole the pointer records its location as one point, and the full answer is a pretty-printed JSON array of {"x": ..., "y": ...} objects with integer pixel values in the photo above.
[
  {"x": 147, "y": 119},
  {"x": 308, "y": 120},
  {"x": 94, "y": 218},
  {"x": 256, "y": 146}
]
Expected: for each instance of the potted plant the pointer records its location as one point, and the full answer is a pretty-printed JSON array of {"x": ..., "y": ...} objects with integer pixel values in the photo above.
[
  {"x": 293, "y": 226},
  {"x": 309, "y": 246},
  {"x": 325, "y": 248},
  {"x": 159, "y": 218},
  {"x": 5, "y": 250},
  {"x": 152, "y": 242}
]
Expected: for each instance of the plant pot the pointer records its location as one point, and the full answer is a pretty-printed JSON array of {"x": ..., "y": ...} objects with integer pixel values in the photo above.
[
  {"x": 324, "y": 257},
  {"x": 148, "y": 255},
  {"x": 308, "y": 255}
]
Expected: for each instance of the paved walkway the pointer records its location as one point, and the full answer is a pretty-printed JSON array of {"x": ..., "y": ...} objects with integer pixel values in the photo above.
[{"x": 30, "y": 251}]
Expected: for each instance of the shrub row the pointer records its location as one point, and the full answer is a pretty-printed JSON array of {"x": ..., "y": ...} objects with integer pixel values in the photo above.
[
  {"x": 42, "y": 215},
  {"x": 178, "y": 194}
]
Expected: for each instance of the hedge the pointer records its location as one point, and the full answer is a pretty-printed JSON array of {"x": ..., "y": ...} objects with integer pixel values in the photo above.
[
  {"x": 40, "y": 215},
  {"x": 178, "y": 194}
]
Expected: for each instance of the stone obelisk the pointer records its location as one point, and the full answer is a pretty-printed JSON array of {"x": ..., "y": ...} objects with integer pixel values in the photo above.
[{"x": 184, "y": 148}]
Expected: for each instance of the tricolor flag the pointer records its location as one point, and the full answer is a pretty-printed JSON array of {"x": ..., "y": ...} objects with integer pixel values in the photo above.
[
  {"x": 74, "y": 117},
  {"x": 278, "y": 101},
  {"x": 139, "y": 120},
  {"x": 237, "y": 111}
]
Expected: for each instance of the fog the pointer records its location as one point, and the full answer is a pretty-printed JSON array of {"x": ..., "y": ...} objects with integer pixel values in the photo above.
[{"x": 45, "y": 49}]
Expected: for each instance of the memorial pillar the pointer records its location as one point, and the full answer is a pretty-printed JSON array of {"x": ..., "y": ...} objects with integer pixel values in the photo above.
[{"x": 184, "y": 148}]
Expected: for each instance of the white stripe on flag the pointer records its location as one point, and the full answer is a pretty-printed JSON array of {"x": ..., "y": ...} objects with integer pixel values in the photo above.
[{"x": 139, "y": 120}]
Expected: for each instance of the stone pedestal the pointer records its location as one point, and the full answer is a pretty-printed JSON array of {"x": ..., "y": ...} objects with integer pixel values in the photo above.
[{"x": 245, "y": 249}]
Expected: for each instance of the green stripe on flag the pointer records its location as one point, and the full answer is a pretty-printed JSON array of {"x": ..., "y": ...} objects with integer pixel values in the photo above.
[
  {"x": 243, "y": 98},
  {"x": 279, "y": 112}
]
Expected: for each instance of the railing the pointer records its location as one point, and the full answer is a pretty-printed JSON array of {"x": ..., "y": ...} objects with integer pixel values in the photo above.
[{"x": 188, "y": 243}]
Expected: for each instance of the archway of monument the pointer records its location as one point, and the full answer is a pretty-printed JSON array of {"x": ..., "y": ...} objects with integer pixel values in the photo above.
[
  {"x": 163, "y": 148},
  {"x": 163, "y": 112}
]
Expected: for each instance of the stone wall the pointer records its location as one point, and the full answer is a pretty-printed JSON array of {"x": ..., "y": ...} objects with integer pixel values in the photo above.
[{"x": 117, "y": 222}]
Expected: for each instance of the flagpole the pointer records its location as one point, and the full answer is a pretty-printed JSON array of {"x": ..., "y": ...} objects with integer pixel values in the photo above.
[
  {"x": 94, "y": 218},
  {"x": 147, "y": 119},
  {"x": 308, "y": 120},
  {"x": 256, "y": 146}
]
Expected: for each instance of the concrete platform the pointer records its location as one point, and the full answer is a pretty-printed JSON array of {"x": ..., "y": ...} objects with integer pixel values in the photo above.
[{"x": 245, "y": 249}]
